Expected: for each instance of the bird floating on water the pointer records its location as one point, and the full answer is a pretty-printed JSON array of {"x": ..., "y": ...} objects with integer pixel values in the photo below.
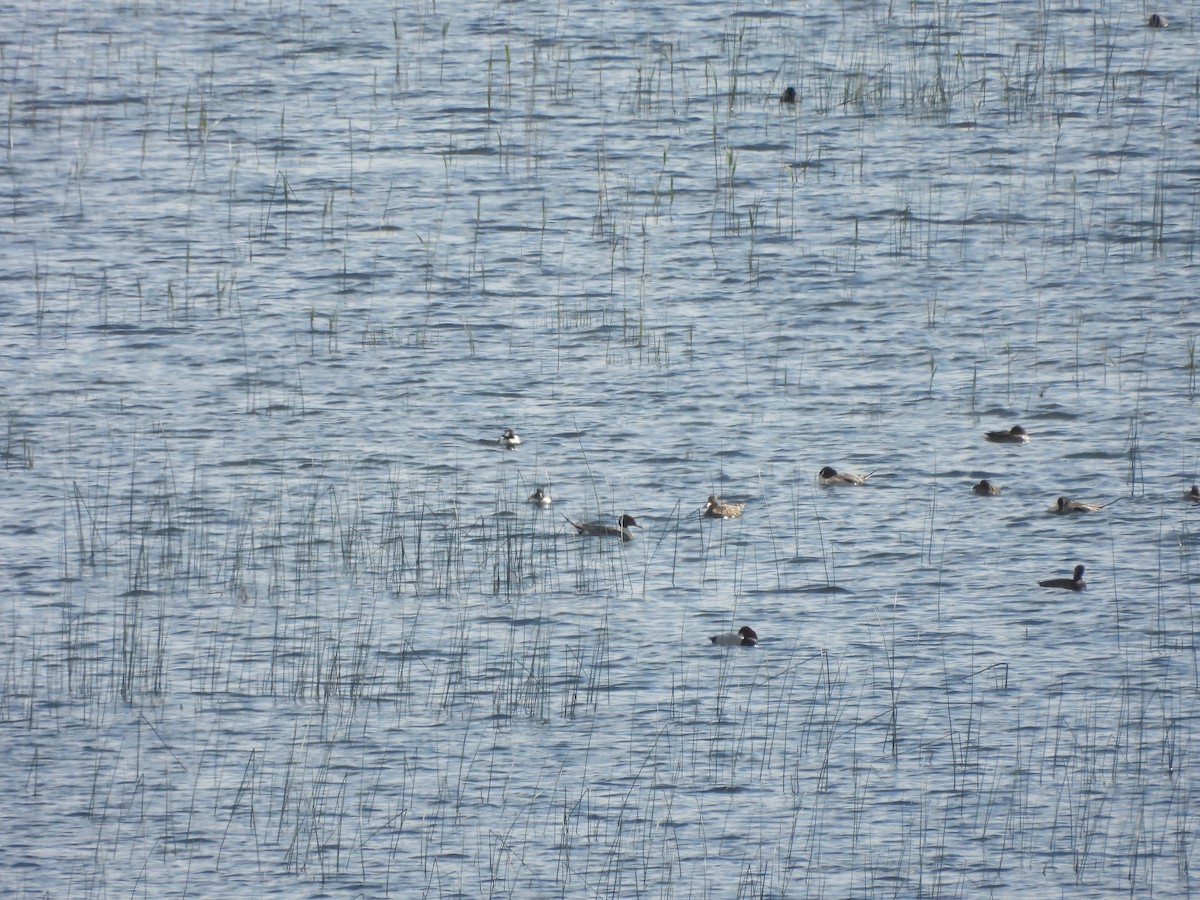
[
  {"x": 1156, "y": 21},
  {"x": 743, "y": 637},
  {"x": 1065, "y": 506},
  {"x": 830, "y": 475},
  {"x": 541, "y": 497},
  {"x": 599, "y": 529},
  {"x": 1014, "y": 435},
  {"x": 1074, "y": 583},
  {"x": 986, "y": 489},
  {"x": 509, "y": 439},
  {"x": 716, "y": 509}
]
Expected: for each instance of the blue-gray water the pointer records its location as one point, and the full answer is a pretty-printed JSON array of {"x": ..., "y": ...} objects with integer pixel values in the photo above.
[{"x": 276, "y": 618}]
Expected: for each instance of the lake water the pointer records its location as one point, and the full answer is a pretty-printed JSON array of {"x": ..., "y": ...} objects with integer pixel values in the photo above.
[{"x": 277, "y": 619}]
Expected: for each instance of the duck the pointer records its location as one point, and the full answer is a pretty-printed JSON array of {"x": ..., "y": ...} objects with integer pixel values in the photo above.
[
  {"x": 743, "y": 637},
  {"x": 1014, "y": 435},
  {"x": 1193, "y": 494},
  {"x": 716, "y": 509},
  {"x": 830, "y": 475},
  {"x": 1074, "y": 583},
  {"x": 509, "y": 439},
  {"x": 1065, "y": 505},
  {"x": 788, "y": 95},
  {"x": 1156, "y": 21},
  {"x": 541, "y": 497},
  {"x": 599, "y": 529},
  {"x": 986, "y": 489}
]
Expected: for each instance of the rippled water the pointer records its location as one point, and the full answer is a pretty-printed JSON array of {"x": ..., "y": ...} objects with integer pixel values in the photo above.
[{"x": 277, "y": 619}]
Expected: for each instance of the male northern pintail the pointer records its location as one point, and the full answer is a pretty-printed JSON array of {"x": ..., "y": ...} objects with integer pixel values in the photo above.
[
  {"x": 1156, "y": 21},
  {"x": 743, "y": 637},
  {"x": 830, "y": 475},
  {"x": 1193, "y": 494},
  {"x": 1065, "y": 505},
  {"x": 716, "y": 509},
  {"x": 986, "y": 489},
  {"x": 1074, "y": 583},
  {"x": 1014, "y": 435},
  {"x": 541, "y": 497},
  {"x": 509, "y": 439},
  {"x": 788, "y": 95},
  {"x": 599, "y": 529}
]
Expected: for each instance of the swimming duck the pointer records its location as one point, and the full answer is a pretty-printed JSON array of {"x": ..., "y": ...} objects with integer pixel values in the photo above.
[
  {"x": 743, "y": 637},
  {"x": 1014, "y": 435},
  {"x": 1156, "y": 21},
  {"x": 789, "y": 95},
  {"x": 1074, "y": 583},
  {"x": 715, "y": 509},
  {"x": 986, "y": 489},
  {"x": 1065, "y": 505},
  {"x": 599, "y": 529},
  {"x": 1193, "y": 494},
  {"x": 830, "y": 475},
  {"x": 541, "y": 497},
  {"x": 509, "y": 439}
]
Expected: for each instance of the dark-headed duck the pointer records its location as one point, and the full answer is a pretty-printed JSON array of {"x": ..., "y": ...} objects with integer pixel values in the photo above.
[
  {"x": 830, "y": 475},
  {"x": 1065, "y": 506},
  {"x": 1014, "y": 435},
  {"x": 743, "y": 637},
  {"x": 1074, "y": 583},
  {"x": 599, "y": 529}
]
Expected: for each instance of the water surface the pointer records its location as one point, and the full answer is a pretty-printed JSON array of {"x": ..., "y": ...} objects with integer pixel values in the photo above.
[{"x": 277, "y": 617}]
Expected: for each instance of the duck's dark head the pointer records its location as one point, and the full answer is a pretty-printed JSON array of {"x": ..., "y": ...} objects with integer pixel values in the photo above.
[
  {"x": 828, "y": 472},
  {"x": 789, "y": 93},
  {"x": 1078, "y": 576},
  {"x": 628, "y": 520}
]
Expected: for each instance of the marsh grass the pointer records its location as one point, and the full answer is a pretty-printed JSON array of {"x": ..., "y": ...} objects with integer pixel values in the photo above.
[
  {"x": 1190, "y": 366},
  {"x": 320, "y": 800}
]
